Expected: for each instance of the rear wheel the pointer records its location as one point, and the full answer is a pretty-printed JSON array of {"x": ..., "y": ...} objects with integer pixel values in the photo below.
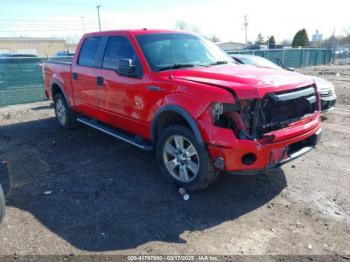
[
  {"x": 65, "y": 116},
  {"x": 183, "y": 160},
  {"x": 2, "y": 204}
]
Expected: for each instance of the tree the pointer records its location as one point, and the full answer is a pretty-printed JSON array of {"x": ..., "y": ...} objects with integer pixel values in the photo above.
[
  {"x": 72, "y": 39},
  {"x": 260, "y": 40},
  {"x": 331, "y": 41},
  {"x": 286, "y": 42},
  {"x": 214, "y": 38},
  {"x": 271, "y": 41},
  {"x": 300, "y": 39}
]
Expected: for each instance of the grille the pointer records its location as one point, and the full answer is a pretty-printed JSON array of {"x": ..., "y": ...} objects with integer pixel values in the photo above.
[{"x": 277, "y": 110}]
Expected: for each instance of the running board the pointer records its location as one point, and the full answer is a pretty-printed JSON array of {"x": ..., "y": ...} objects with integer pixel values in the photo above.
[{"x": 116, "y": 134}]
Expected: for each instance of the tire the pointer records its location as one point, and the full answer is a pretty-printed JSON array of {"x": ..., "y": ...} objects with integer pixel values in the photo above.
[
  {"x": 65, "y": 116},
  {"x": 178, "y": 150},
  {"x": 2, "y": 204}
]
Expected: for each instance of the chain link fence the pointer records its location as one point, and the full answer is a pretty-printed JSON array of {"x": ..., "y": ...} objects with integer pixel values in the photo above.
[
  {"x": 21, "y": 79},
  {"x": 296, "y": 58}
]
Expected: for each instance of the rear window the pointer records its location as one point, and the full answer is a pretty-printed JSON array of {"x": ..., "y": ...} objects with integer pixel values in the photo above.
[{"x": 89, "y": 51}]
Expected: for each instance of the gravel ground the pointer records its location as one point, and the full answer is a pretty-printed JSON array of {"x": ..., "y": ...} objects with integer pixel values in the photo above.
[{"x": 81, "y": 192}]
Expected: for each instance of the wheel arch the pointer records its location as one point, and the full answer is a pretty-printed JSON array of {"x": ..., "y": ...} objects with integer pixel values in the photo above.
[
  {"x": 57, "y": 87},
  {"x": 164, "y": 117}
]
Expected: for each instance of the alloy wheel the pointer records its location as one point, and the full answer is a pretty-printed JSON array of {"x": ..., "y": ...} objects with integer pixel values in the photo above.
[
  {"x": 181, "y": 158},
  {"x": 61, "y": 112}
]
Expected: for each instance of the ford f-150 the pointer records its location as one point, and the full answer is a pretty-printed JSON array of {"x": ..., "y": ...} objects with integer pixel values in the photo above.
[{"x": 179, "y": 94}]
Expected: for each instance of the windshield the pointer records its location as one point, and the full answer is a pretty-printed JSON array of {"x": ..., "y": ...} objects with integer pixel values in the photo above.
[
  {"x": 177, "y": 50},
  {"x": 257, "y": 61}
]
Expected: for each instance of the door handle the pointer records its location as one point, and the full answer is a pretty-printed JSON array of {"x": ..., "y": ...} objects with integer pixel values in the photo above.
[
  {"x": 75, "y": 76},
  {"x": 99, "y": 81},
  {"x": 155, "y": 88}
]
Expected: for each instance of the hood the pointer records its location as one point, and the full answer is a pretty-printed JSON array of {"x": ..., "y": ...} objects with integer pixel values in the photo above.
[
  {"x": 245, "y": 80},
  {"x": 323, "y": 84}
]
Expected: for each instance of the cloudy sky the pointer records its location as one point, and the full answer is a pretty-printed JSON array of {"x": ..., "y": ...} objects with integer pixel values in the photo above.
[{"x": 224, "y": 18}]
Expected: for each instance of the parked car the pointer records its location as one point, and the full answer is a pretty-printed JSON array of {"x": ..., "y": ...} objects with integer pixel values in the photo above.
[
  {"x": 326, "y": 88},
  {"x": 16, "y": 55},
  {"x": 64, "y": 53},
  {"x": 184, "y": 97},
  {"x": 4, "y": 188}
]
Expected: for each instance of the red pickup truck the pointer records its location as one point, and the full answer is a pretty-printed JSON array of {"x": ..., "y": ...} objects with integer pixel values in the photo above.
[{"x": 181, "y": 95}]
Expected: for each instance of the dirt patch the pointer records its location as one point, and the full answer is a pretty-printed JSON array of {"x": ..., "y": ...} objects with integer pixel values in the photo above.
[{"x": 78, "y": 192}]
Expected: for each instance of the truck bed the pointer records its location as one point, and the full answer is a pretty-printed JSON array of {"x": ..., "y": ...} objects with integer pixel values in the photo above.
[{"x": 59, "y": 71}]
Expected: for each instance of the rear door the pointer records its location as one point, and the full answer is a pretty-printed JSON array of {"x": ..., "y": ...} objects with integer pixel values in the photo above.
[{"x": 84, "y": 76}]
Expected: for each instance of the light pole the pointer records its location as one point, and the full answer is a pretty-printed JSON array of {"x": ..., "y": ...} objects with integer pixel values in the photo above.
[
  {"x": 98, "y": 15},
  {"x": 246, "y": 28}
]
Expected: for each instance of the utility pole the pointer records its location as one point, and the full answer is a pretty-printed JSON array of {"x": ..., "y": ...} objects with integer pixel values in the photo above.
[
  {"x": 98, "y": 15},
  {"x": 246, "y": 28}
]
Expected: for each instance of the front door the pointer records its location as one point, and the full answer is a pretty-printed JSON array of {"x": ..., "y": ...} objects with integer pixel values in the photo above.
[{"x": 117, "y": 93}]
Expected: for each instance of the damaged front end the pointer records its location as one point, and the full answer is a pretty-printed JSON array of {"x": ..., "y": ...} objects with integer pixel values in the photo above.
[
  {"x": 254, "y": 119},
  {"x": 267, "y": 131}
]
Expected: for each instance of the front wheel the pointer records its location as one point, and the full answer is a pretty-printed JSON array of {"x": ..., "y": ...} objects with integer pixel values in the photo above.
[
  {"x": 183, "y": 160},
  {"x": 2, "y": 204}
]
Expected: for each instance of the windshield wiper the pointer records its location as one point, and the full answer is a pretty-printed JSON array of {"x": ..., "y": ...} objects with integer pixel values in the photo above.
[
  {"x": 175, "y": 66},
  {"x": 218, "y": 63}
]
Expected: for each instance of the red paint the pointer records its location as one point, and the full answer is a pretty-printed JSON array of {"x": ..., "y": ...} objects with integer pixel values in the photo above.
[{"x": 127, "y": 103}]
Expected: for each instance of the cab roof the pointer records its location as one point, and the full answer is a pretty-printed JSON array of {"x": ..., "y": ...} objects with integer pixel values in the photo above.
[{"x": 134, "y": 32}]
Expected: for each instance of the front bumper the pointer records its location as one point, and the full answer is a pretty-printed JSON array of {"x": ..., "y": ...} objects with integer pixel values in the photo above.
[
  {"x": 288, "y": 144},
  {"x": 327, "y": 105},
  {"x": 328, "y": 100},
  {"x": 313, "y": 141}
]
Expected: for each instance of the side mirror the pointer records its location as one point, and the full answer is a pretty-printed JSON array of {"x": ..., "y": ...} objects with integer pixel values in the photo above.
[{"x": 126, "y": 68}]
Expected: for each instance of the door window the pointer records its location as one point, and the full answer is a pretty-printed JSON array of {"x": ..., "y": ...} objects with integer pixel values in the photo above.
[
  {"x": 118, "y": 48},
  {"x": 89, "y": 51}
]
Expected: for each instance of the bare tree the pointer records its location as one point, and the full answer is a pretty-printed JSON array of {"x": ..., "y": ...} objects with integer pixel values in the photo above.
[
  {"x": 347, "y": 31},
  {"x": 72, "y": 39},
  {"x": 260, "y": 39},
  {"x": 195, "y": 29},
  {"x": 286, "y": 42},
  {"x": 214, "y": 38}
]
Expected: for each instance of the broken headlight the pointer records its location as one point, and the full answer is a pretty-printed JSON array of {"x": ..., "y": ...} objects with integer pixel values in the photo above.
[{"x": 237, "y": 117}]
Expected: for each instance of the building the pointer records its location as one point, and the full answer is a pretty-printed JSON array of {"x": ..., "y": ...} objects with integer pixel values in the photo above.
[
  {"x": 41, "y": 47},
  {"x": 230, "y": 46}
]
